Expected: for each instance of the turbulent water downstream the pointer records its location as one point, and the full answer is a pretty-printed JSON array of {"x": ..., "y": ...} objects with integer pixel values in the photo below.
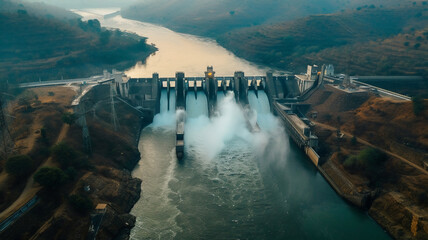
[{"x": 232, "y": 183}]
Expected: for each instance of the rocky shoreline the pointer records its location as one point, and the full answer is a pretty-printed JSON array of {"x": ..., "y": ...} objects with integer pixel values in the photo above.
[{"x": 115, "y": 185}]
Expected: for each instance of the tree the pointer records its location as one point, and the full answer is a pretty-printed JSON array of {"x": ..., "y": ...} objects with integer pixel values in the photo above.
[
  {"x": 370, "y": 161},
  {"x": 64, "y": 154},
  {"x": 94, "y": 25},
  {"x": 80, "y": 203},
  {"x": 418, "y": 105},
  {"x": 25, "y": 102},
  {"x": 417, "y": 45},
  {"x": 26, "y": 99},
  {"x": 105, "y": 37},
  {"x": 19, "y": 166},
  {"x": 50, "y": 177},
  {"x": 354, "y": 140},
  {"x": 43, "y": 135},
  {"x": 69, "y": 118}
]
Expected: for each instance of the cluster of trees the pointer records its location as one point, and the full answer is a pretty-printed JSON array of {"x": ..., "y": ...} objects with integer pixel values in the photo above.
[
  {"x": 54, "y": 178},
  {"x": 27, "y": 99},
  {"x": 19, "y": 166},
  {"x": 69, "y": 118},
  {"x": 369, "y": 161},
  {"x": 50, "y": 177},
  {"x": 68, "y": 157}
]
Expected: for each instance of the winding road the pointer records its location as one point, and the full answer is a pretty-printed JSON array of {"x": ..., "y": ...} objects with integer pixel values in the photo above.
[{"x": 362, "y": 141}]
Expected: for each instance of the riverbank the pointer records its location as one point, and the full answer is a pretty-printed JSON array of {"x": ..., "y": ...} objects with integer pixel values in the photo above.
[
  {"x": 102, "y": 177},
  {"x": 395, "y": 193}
]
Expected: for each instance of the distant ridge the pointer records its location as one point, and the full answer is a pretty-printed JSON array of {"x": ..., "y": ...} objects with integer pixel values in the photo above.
[
  {"x": 372, "y": 41},
  {"x": 211, "y": 18}
]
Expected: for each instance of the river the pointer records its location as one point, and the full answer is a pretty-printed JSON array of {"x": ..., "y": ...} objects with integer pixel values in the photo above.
[{"x": 232, "y": 184}]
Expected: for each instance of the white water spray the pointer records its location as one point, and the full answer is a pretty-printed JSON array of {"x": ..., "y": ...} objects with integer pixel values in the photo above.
[
  {"x": 166, "y": 118},
  {"x": 206, "y": 138}
]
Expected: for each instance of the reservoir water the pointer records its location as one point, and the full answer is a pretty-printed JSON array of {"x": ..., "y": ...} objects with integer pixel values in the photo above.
[{"x": 232, "y": 183}]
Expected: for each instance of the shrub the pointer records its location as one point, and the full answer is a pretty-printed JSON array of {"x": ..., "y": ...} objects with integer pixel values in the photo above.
[
  {"x": 19, "y": 166},
  {"x": 69, "y": 118},
  {"x": 351, "y": 163},
  {"x": 354, "y": 140},
  {"x": 64, "y": 154},
  {"x": 71, "y": 173},
  {"x": 417, "y": 45},
  {"x": 50, "y": 177},
  {"x": 80, "y": 203},
  {"x": 418, "y": 105},
  {"x": 370, "y": 161}
]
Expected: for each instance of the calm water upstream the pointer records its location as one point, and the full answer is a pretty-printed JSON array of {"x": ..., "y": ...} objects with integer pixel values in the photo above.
[{"x": 232, "y": 184}]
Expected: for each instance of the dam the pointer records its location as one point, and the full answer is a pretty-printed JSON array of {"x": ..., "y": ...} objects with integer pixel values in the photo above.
[{"x": 199, "y": 96}]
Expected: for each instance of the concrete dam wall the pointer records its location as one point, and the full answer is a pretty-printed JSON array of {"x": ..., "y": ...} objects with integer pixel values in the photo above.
[{"x": 196, "y": 96}]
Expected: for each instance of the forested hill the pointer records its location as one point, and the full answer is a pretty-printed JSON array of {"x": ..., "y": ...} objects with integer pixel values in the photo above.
[
  {"x": 35, "y": 46},
  {"x": 371, "y": 40},
  {"x": 38, "y": 9},
  {"x": 210, "y": 18}
]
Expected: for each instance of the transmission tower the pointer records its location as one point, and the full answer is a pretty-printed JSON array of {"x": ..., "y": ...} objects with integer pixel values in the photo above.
[
  {"x": 7, "y": 141},
  {"x": 85, "y": 132},
  {"x": 114, "y": 120}
]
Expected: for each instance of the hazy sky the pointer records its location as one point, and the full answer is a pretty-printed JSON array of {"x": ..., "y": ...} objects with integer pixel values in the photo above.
[{"x": 87, "y": 3}]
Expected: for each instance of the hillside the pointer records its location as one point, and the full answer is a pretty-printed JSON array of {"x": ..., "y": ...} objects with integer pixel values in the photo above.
[
  {"x": 364, "y": 114},
  {"x": 79, "y": 4},
  {"x": 211, "y": 18},
  {"x": 34, "y": 47},
  {"x": 37, "y": 8},
  {"x": 38, "y": 130},
  {"x": 371, "y": 40},
  {"x": 369, "y": 121}
]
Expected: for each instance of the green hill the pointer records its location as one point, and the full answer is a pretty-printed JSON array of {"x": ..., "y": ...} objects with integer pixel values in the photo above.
[
  {"x": 369, "y": 40},
  {"x": 34, "y": 46},
  {"x": 211, "y": 18},
  {"x": 38, "y": 9}
]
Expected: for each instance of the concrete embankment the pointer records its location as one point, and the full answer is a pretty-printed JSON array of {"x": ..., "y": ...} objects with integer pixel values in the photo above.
[
  {"x": 343, "y": 186},
  {"x": 298, "y": 131},
  {"x": 301, "y": 135}
]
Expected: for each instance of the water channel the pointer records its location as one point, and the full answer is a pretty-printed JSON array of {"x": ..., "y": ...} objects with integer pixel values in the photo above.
[{"x": 232, "y": 183}]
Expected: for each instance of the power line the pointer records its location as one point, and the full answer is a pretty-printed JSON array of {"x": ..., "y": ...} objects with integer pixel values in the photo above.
[
  {"x": 85, "y": 132},
  {"x": 7, "y": 141},
  {"x": 114, "y": 120}
]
